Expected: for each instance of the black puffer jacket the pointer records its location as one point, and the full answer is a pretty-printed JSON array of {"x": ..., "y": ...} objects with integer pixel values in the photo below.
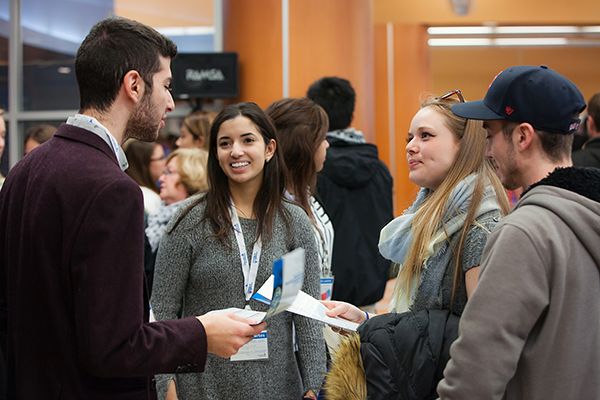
[{"x": 404, "y": 355}]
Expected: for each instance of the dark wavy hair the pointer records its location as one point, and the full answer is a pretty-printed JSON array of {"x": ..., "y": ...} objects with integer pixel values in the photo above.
[
  {"x": 301, "y": 128},
  {"x": 268, "y": 201},
  {"x": 114, "y": 47}
]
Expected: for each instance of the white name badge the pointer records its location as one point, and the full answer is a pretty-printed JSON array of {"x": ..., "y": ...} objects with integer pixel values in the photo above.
[
  {"x": 256, "y": 349},
  {"x": 326, "y": 288}
]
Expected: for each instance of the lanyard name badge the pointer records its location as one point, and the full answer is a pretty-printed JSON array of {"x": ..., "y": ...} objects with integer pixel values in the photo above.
[
  {"x": 257, "y": 348},
  {"x": 249, "y": 268},
  {"x": 326, "y": 287}
]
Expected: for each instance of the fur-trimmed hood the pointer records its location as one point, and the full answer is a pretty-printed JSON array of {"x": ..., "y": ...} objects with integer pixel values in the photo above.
[{"x": 584, "y": 181}]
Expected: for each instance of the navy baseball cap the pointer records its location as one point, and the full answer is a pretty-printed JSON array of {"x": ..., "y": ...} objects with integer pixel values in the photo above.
[{"x": 537, "y": 95}]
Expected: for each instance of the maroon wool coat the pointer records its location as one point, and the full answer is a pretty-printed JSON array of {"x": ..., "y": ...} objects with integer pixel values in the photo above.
[{"x": 73, "y": 304}]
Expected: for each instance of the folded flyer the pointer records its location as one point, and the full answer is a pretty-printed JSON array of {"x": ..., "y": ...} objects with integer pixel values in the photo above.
[
  {"x": 305, "y": 305},
  {"x": 284, "y": 285}
]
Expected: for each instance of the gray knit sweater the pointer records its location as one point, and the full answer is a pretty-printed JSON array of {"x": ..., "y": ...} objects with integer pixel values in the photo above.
[{"x": 195, "y": 273}]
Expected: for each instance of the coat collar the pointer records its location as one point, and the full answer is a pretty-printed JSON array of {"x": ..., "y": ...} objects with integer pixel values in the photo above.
[
  {"x": 84, "y": 136},
  {"x": 584, "y": 181}
]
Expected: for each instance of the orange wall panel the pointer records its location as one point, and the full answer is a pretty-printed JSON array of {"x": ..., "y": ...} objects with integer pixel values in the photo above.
[
  {"x": 382, "y": 92},
  {"x": 472, "y": 69},
  {"x": 439, "y": 12},
  {"x": 160, "y": 13},
  {"x": 252, "y": 28},
  {"x": 411, "y": 82},
  {"x": 334, "y": 38},
  {"x": 408, "y": 81}
]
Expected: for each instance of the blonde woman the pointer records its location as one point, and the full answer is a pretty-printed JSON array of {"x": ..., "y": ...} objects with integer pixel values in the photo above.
[
  {"x": 184, "y": 175},
  {"x": 439, "y": 239},
  {"x": 438, "y": 242}
]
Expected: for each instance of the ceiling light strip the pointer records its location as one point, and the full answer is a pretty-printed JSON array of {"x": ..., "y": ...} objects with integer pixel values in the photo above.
[
  {"x": 512, "y": 30},
  {"x": 508, "y": 42}
]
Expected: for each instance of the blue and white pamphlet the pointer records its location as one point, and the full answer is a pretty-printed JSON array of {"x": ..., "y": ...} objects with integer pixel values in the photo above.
[
  {"x": 282, "y": 293},
  {"x": 305, "y": 305},
  {"x": 285, "y": 284}
]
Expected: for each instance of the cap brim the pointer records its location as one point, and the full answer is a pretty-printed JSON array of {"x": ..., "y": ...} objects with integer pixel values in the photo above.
[{"x": 475, "y": 110}]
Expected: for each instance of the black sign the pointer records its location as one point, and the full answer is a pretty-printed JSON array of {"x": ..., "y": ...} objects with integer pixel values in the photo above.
[{"x": 205, "y": 75}]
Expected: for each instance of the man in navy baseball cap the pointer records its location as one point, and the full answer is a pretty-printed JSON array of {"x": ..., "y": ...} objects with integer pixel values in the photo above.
[
  {"x": 531, "y": 329},
  {"x": 541, "y": 108},
  {"x": 537, "y": 95}
]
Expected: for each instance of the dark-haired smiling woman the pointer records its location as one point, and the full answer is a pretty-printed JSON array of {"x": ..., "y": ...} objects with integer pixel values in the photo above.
[{"x": 205, "y": 263}]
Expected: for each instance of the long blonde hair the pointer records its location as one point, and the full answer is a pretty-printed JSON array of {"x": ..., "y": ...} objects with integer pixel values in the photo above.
[{"x": 428, "y": 219}]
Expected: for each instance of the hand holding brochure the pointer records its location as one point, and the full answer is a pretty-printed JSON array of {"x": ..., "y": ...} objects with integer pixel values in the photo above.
[
  {"x": 310, "y": 307},
  {"x": 305, "y": 305},
  {"x": 285, "y": 283}
]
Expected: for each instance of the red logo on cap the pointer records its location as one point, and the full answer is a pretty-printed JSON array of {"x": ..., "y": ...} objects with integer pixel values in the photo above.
[{"x": 509, "y": 110}]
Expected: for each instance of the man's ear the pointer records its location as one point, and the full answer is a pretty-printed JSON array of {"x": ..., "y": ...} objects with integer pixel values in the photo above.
[
  {"x": 590, "y": 125},
  {"x": 524, "y": 136},
  {"x": 133, "y": 85}
]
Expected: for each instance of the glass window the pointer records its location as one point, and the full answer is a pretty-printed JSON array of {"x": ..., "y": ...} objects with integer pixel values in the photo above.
[{"x": 52, "y": 32}]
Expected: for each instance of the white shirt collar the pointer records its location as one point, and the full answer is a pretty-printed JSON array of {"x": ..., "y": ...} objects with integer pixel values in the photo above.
[{"x": 93, "y": 125}]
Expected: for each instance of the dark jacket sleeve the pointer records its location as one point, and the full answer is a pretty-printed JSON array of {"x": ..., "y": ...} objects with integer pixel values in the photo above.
[
  {"x": 404, "y": 354},
  {"x": 113, "y": 336}
]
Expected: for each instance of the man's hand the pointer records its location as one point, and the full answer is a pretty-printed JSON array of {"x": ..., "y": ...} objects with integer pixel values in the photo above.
[{"x": 226, "y": 333}]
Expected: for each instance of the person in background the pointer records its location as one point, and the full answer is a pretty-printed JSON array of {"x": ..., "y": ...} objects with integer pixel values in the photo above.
[
  {"x": 194, "y": 131},
  {"x": 439, "y": 239},
  {"x": 220, "y": 249},
  {"x": 73, "y": 308},
  {"x": 185, "y": 175},
  {"x": 581, "y": 135},
  {"x": 531, "y": 330},
  {"x": 301, "y": 127},
  {"x": 355, "y": 189},
  {"x": 2, "y": 141},
  {"x": 146, "y": 164},
  {"x": 36, "y": 135},
  {"x": 589, "y": 154}
]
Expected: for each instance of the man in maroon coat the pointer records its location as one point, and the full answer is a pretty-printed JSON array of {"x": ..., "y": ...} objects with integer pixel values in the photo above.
[{"x": 73, "y": 304}]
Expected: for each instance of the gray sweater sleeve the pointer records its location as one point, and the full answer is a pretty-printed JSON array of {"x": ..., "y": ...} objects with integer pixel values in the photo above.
[
  {"x": 311, "y": 343},
  {"x": 477, "y": 238},
  {"x": 171, "y": 271}
]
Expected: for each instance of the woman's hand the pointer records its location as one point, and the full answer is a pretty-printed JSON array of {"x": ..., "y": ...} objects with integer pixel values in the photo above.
[{"x": 344, "y": 310}]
